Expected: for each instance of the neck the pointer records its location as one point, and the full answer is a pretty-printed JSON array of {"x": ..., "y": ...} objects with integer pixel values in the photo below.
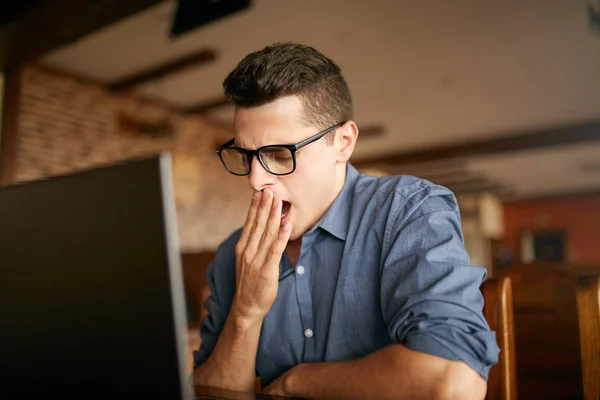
[
  {"x": 293, "y": 250},
  {"x": 293, "y": 246},
  {"x": 342, "y": 171}
]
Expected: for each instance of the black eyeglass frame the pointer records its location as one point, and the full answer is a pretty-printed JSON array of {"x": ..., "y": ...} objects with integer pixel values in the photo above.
[{"x": 291, "y": 147}]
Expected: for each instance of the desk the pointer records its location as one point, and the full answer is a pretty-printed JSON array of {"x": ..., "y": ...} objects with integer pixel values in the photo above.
[{"x": 232, "y": 395}]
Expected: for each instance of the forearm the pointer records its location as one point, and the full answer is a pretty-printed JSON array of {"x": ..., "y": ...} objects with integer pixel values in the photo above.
[
  {"x": 394, "y": 372},
  {"x": 232, "y": 363}
]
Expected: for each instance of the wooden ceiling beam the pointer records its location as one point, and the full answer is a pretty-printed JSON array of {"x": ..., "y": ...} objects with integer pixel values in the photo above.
[
  {"x": 557, "y": 136},
  {"x": 188, "y": 61},
  {"x": 474, "y": 189},
  {"x": 48, "y": 25},
  {"x": 463, "y": 179},
  {"x": 451, "y": 176},
  {"x": 371, "y": 131},
  {"x": 593, "y": 192},
  {"x": 206, "y": 106},
  {"x": 428, "y": 170}
]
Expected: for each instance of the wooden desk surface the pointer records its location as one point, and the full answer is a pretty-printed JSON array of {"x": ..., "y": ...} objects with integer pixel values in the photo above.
[{"x": 214, "y": 393}]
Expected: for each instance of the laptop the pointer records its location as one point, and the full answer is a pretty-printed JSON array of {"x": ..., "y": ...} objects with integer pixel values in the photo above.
[{"x": 91, "y": 291}]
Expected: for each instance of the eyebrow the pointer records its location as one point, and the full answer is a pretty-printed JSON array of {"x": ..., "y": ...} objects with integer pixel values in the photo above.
[{"x": 286, "y": 143}]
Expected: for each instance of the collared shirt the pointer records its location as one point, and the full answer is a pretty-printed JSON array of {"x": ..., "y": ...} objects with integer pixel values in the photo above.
[{"x": 385, "y": 264}]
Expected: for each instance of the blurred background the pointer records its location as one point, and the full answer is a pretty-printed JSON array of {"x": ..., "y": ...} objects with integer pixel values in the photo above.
[{"x": 499, "y": 101}]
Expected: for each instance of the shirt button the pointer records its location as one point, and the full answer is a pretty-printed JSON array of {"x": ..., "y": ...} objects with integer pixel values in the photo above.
[
  {"x": 308, "y": 333},
  {"x": 300, "y": 270}
]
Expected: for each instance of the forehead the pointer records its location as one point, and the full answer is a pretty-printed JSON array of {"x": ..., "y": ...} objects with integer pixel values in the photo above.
[{"x": 278, "y": 122}]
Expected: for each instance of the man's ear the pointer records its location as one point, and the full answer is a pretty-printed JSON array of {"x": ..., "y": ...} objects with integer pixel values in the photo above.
[{"x": 345, "y": 140}]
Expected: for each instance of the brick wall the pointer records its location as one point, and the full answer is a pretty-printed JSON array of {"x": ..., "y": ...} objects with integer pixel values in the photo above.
[
  {"x": 67, "y": 124},
  {"x": 1, "y": 100}
]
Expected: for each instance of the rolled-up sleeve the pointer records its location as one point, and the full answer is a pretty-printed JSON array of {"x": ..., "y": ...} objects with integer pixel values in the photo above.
[
  {"x": 430, "y": 292},
  {"x": 221, "y": 281}
]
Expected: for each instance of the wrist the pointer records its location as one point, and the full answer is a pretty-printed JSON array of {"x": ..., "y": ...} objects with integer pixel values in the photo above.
[{"x": 241, "y": 324}]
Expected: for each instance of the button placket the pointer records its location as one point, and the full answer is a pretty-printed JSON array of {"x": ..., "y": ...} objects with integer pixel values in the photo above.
[{"x": 303, "y": 291}]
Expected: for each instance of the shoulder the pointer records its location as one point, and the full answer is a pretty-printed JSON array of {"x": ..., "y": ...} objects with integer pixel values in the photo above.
[
  {"x": 227, "y": 247},
  {"x": 403, "y": 195}
]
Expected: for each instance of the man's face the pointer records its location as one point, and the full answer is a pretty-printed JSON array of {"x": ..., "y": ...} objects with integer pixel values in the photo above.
[{"x": 319, "y": 174}]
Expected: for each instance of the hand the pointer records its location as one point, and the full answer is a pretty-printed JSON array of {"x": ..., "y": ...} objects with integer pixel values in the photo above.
[
  {"x": 258, "y": 254},
  {"x": 277, "y": 387},
  {"x": 189, "y": 360}
]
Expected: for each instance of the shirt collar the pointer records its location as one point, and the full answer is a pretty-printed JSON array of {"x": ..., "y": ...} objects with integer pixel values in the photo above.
[{"x": 337, "y": 217}]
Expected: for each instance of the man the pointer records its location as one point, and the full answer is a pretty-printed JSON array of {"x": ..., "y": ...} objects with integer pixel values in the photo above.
[{"x": 339, "y": 285}]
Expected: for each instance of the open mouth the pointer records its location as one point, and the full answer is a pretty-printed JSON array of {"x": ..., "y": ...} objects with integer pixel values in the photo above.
[{"x": 285, "y": 208}]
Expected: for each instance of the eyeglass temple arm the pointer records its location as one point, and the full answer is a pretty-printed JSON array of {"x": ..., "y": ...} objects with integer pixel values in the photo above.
[
  {"x": 229, "y": 143},
  {"x": 317, "y": 136}
]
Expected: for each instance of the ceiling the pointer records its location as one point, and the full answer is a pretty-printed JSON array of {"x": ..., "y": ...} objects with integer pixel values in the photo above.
[{"x": 430, "y": 72}]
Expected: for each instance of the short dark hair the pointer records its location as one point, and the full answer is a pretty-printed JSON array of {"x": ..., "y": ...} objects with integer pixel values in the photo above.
[{"x": 287, "y": 69}]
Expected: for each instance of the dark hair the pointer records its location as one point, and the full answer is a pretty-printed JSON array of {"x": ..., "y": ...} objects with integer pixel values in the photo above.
[{"x": 287, "y": 69}]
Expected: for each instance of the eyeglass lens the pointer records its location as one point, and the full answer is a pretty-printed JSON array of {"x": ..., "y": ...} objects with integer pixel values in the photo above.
[{"x": 277, "y": 160}]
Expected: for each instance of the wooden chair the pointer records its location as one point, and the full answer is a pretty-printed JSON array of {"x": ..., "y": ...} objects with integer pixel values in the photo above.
[
  {"x": 498, "y": 311},
  {"x": 588, "y": 313},
  {"x": 546, "y": 335},
  {"x": 547, "y": 328}
]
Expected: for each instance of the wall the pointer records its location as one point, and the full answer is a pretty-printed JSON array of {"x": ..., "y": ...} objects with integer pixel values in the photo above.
[
  {"x": 580, "y": 216},
  {"x": 481, "y": 222},
  {"x": 68, "y": 124}
]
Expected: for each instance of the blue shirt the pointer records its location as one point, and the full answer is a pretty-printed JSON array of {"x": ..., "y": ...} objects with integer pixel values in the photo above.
[{"x": 385, "y": 264}]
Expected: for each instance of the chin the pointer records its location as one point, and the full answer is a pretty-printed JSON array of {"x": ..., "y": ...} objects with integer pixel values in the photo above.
[{"x": 296, "y": 234}]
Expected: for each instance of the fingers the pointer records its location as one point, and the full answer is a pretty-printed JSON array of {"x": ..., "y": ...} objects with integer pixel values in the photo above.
[
  {"x": 249, "y": 224},
  {"x": 262, "y": 234},
  {"x": 260, "y": 223},
  {"x": 270, "y": 233},
  {"x": 278, "y": 246},
  {"x": 273, "y": 222}
]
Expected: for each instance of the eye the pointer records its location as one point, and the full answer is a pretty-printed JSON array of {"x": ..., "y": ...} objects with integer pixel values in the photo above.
[{"x": 277, "y": 153}]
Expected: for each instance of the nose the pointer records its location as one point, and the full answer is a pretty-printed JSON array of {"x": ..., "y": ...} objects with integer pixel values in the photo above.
[{"x": 259, "y": 178}]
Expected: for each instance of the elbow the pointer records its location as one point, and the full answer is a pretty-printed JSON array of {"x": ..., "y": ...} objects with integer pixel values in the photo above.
[{"x": 460, "y": 382}]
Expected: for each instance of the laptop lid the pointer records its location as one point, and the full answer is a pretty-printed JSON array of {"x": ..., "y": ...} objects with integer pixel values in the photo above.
[{"x": 91, "y": 292}]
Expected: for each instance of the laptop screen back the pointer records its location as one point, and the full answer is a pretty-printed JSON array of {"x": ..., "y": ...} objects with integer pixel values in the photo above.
[{"x": 91, "y": 293}]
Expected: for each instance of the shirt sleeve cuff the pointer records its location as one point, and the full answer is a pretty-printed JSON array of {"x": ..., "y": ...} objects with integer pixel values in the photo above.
[{"x": 434, "y": 346}]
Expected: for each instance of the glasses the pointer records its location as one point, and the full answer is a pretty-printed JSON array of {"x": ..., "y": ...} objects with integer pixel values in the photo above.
[{"x": 277, "y": 159}]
